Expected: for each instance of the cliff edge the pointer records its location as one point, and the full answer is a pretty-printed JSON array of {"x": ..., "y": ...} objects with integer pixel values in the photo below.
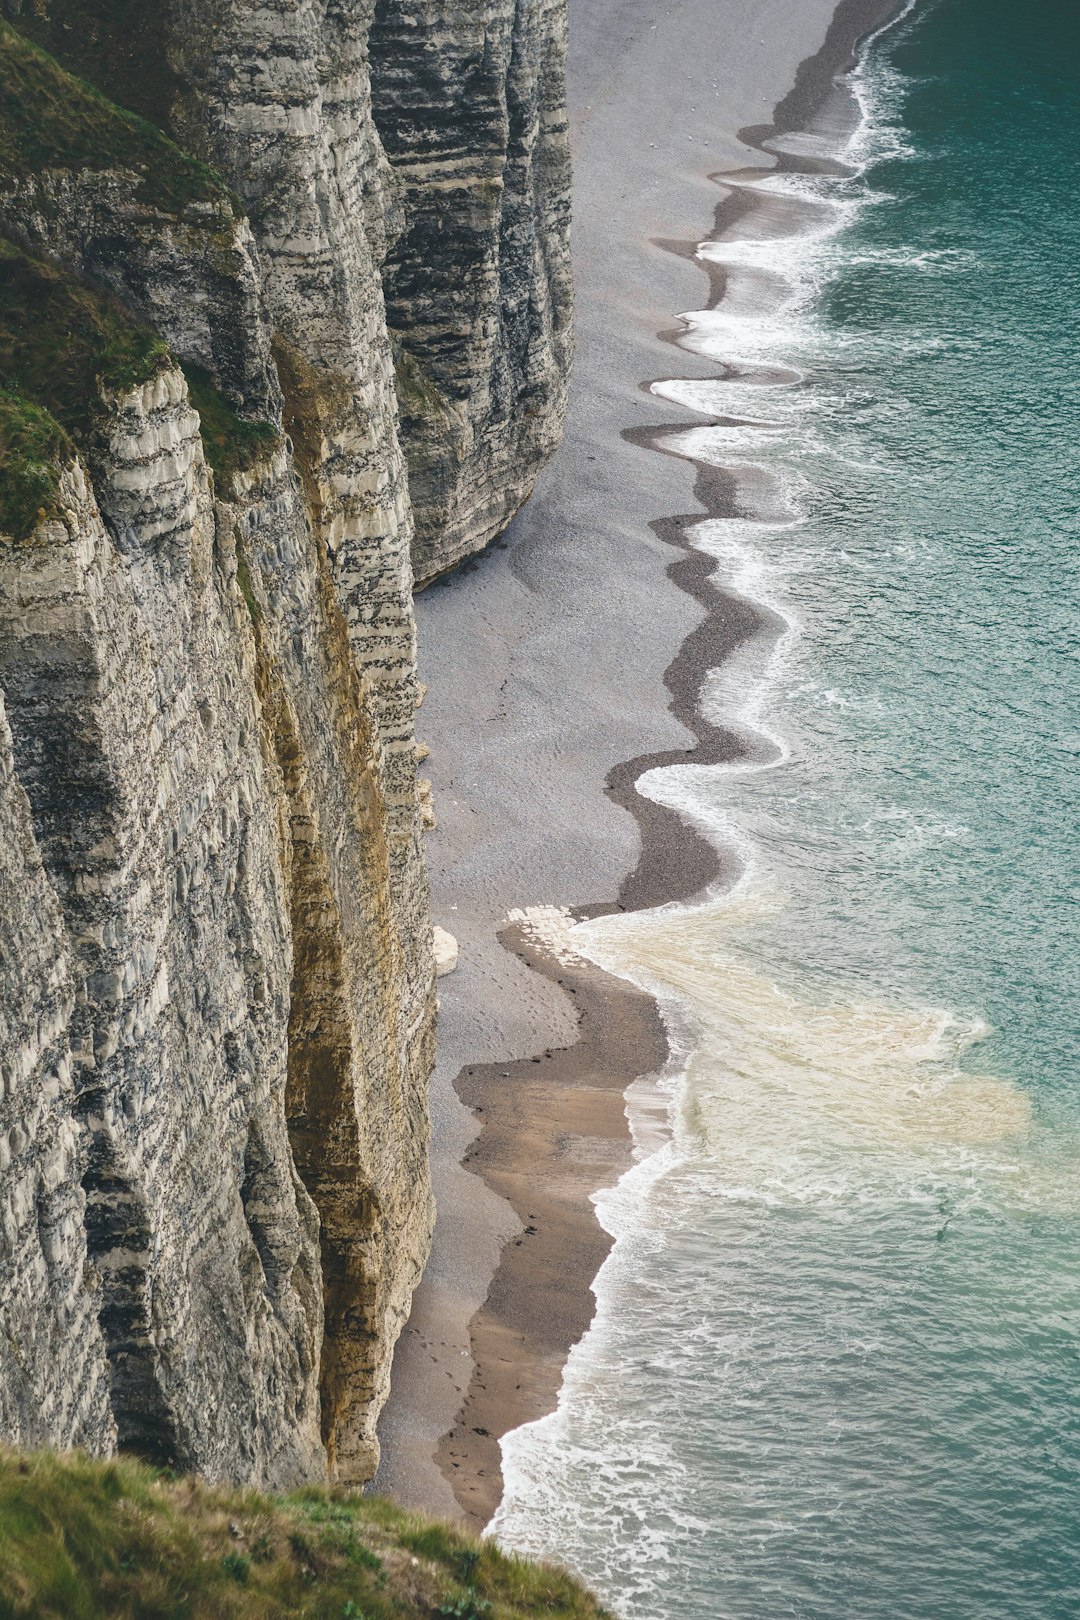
[{"x": 216, "y": 970}]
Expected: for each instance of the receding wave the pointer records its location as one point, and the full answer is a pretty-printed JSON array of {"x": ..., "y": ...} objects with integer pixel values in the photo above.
[{"x": 833, "y": 1360}]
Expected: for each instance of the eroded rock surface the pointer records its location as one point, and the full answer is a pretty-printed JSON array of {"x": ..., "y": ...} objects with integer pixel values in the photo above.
[
  {"x": 469, "y": 102},
  {"x": 216, "y": 967}
]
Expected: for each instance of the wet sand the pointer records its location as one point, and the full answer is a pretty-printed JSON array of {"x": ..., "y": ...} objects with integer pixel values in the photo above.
[{"x": 561, "y": 665}]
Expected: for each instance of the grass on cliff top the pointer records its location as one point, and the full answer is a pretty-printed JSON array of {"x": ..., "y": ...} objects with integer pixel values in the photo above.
[
  {"x": 49, "y": 119},
  {"x": 120, "y": 46},
  {"x": 84, "y": 1540}
]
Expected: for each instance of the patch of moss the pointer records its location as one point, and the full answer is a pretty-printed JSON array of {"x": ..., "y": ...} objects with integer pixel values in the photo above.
[
  {"x": 33, "y": 447},
  {"x": 312, "y": 399},
  {"x": 51, "y": 119},
  {"x": 89, "y": 1540},
  {"x": 247, "y": 589},
  {"x": 231, "y": 444},
  {"x": 419, "y": 397}
]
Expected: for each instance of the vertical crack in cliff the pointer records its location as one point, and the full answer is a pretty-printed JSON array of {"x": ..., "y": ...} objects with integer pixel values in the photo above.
[
  {"x": 310, "y": 398},
  {"x": 322, "y": 1103},
  {"x": 119, "y": 1242}
]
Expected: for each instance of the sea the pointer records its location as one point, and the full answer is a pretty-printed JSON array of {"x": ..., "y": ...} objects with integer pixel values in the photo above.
[{"x": 834, "y": 1372}]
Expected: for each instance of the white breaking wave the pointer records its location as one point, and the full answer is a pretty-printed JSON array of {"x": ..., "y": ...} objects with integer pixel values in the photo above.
[{"x": 779, "y": 1095}]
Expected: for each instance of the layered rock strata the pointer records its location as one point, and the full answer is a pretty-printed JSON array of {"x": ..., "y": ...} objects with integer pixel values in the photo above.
[
  {"x": 216, "y": 972},
  {"x": 469, "y": 102},
  {"x": 426, "y": 143}
]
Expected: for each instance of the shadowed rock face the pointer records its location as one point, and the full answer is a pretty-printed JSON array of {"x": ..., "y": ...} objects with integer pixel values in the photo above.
[
  {"x": 128, "y": 669},
  {"x": 216, "y": 974}
]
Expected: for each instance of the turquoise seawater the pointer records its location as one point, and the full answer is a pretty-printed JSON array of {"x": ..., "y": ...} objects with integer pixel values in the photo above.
[{"x": 835, "y": 1369}]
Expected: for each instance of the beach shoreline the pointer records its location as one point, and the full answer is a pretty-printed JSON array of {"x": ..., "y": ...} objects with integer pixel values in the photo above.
[{"x": 533, "y": 1121}]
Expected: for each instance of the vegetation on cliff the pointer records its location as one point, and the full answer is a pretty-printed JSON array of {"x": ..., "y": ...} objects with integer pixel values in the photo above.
[
  {"x": 61, "y": 344},
  {"x": 33, "y": 447},
  {"x": 230, "y": 443},
  {"x": 121, "y": 46},
  {"x": 50, "y": 119},
  {"x": 85, "y": 1540}
]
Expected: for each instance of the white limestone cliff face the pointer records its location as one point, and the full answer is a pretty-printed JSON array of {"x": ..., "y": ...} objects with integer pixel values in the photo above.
[
  {"x": 426, "y": 139},
  {"x": 469, "y": 101},
  {"x": 127, "y": 659},
  {"x": 216, "y": 970},
  {"x": 50, "y": 1319},
  {"x": 230, "y": 1021}
]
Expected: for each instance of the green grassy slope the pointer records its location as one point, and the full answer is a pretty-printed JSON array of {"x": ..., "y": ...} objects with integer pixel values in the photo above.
[
  {"x": 51, "y": 119},
  {"x": 86, "y": 1540}
]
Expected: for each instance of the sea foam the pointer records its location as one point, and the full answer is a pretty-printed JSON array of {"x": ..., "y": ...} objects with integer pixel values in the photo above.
[{"x": 823, "y": 1284}]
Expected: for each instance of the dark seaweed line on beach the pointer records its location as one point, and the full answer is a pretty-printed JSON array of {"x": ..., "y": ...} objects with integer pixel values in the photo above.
[
  {"x": 677, "y": 863},
  {"x": 620, "y": 1035}
]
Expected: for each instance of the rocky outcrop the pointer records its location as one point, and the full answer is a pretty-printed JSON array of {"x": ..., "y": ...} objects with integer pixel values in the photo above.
[
  {"x": 49, "y": 1318},
  {"x": 216, "y": 966},
  {"x": 469, "y": 103}
]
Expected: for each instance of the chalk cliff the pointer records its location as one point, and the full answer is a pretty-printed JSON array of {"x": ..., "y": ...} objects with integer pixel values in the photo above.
[
  {"x": 216, "y": 970},
  {"x": 469, "y": 103}
]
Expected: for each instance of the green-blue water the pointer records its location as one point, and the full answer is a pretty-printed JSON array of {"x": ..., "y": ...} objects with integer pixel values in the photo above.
[{"x": 835, "y": 1371}]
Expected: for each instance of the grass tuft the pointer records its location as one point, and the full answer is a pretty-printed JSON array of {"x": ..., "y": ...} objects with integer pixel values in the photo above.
[
  {"x": 88, "y": 1540},
  {"x": 237, "y": 1567},
  {"x": 465, "y": 1605}
]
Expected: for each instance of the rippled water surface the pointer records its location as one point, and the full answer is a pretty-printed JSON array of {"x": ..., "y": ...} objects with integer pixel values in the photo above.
[{"x": 835, "y": 1371}]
